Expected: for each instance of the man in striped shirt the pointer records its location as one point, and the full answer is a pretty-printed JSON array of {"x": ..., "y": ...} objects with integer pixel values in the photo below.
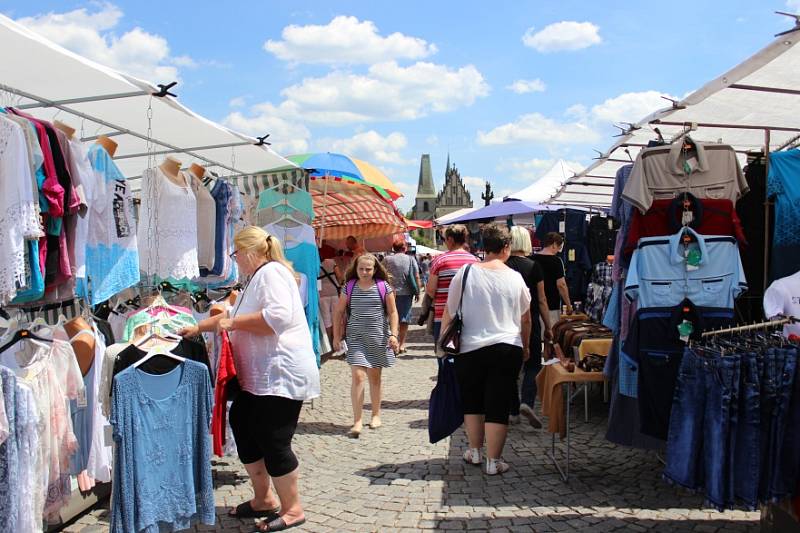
[{"x": 442, "y": 270}]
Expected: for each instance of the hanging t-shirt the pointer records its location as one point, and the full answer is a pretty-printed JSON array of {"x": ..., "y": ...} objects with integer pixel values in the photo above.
[
  {"x": 226, "y": 371},
  {"x": 162, "y": 473},
  {"x": 294, "y": 201},
  {"x": 221, "y": 192},
  {"x": 206, "y": 222},
  {"x": 89, "y": 188},
  {"x": 783, "y": 298},
  {"x": 783, "y": 183},
  {"x": 167, "y": 227},
  {"x": 112, "y": 254}
]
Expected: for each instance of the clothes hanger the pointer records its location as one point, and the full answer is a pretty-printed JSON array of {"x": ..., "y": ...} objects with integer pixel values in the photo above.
[
  {"x": 22, "y": 334},
  {"x": 158, "y": 350}
]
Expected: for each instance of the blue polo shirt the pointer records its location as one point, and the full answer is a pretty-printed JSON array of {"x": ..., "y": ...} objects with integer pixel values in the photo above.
[{"x": 659, "y": 275}]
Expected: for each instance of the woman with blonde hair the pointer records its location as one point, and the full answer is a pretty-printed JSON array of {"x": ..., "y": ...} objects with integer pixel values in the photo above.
[
  {"x": 276, "y": 369},
  {"x": 367, "y": 306}
]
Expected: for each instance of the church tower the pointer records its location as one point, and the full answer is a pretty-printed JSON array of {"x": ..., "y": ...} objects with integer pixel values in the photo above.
[
  {"x": 454, "y": 195},
  {"x": 425, "y": 206}
]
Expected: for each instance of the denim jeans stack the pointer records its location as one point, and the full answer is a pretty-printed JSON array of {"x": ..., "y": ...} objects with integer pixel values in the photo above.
[{"x": 733, "y": 429}]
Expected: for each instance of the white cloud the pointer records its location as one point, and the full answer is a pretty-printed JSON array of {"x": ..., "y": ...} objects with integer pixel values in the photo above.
[
  {"x": 370, "y": 146},
  {"x": 536, "y": 128},
  {"x": 564, "y": 35},
  {"x": 387, "y": 92},
  {"x": 629, "y": 107},
  {"x": 90, "y": 34},
  {"x": 286, "y": 136},
  {"x": 793, "y": 5},
  {"x": 472, "y": 181},
  {"x": 527, "y": 86},
  {"x": 432, "y": 140},
  {"x": 239, "y": 101},
  {"x": 345, "y": 40}
]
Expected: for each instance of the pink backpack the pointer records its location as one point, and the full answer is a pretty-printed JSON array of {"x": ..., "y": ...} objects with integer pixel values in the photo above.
[{"x": 382, "y": 290}]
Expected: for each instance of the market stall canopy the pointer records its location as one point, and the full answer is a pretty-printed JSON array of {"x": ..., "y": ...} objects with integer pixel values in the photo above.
[
  {"x": 444, "y": 219},
  {"x": 46, "y": 80},
  {"x": 419, "y": 224},
  {"x": 331, "y": 165},
  {"x": 752, "y": 106},
  {"x": 549, "y": 184},
  {"x": 501, "y": 209}
]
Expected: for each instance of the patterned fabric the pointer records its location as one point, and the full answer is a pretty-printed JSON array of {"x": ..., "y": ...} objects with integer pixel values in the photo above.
[
  {"x": 9, "y": 464},
  {"x": 256, "y": 184},
  {"x": 162, "y": 475},
  {"x": 783, "y": 183},
  {"x": 598, "y": 293},
  {"x": 368, "y": 329},
  {"x": 445, "y": 267}
]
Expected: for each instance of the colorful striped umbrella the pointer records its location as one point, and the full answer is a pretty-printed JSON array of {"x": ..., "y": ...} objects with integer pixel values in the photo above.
[{"x": 326, "y": 165}]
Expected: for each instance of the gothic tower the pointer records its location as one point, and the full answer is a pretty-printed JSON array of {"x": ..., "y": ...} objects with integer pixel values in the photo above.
[
  {"x": 425, "y": 206},
  {"x": 454, "y": 195}
]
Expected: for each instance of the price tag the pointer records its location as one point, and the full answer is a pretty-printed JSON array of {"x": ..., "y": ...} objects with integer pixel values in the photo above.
[
  {"x": 562, "y": 226},
  {"x": 571, "y": 254},
  {"x": 685, "y": 330},
  {"x": 687, "y": 218},
  {"x": 693, "y": 258},
  {"x": 81, "y": 400},
  {"x": 610, "y": 223}
]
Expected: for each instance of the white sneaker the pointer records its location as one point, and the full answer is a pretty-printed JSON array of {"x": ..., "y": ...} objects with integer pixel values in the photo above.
[
  {"x": 496, "y": 466},
  {"x": 526, "y": 411},
  {"x": 472, "y": 456},
  {"x": 513, "y": 420}
]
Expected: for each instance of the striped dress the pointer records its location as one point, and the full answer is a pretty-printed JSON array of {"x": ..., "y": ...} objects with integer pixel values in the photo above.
[{"x": 368, "y": 329}]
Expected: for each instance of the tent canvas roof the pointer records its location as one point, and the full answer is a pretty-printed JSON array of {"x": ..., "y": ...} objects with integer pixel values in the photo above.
[
  {"x": 544, "y": 187},
  {"x": 48, "y": 80},
  {"x": 455, "y": 214},
  {"x": 754, "y": 104}
]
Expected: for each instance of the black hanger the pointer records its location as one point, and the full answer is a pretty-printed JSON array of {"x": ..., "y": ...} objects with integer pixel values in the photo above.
[{"x": 19, "y": 335}]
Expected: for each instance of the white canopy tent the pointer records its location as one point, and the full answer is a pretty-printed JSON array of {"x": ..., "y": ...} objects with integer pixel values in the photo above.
[
  {"x": 754, "y": 106},
  {"x": 48, "y": 81},
  {"x": 550, "y": 183},
  {"x": 454, "y": 215}
]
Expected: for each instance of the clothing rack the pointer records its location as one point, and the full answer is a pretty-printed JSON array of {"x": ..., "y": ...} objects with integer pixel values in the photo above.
[{"x": 749, "y": 327}]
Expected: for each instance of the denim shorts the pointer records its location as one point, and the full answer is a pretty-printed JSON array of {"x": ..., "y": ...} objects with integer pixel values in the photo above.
[{"x": 404, "y": 304}]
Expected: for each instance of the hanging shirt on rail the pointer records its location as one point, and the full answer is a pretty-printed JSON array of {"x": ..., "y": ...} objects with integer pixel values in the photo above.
[
  {"x": 167, "y": 227},
  {"x": 660, "y": 275},
  {"x": 112, "y": 253},
  {"x": 783, "y": 184},
  {"x": 206, "y": 222}
]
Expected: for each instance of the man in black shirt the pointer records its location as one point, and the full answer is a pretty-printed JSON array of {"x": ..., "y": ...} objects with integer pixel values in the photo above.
[{"x": 555, "y": 286}]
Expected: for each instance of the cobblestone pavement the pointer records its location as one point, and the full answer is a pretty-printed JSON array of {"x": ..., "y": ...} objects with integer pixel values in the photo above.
[{"x": 392, "y": 479}]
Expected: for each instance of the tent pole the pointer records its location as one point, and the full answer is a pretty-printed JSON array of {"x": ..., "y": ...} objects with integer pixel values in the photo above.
[
  {"x": 324, "y": 209},
  {"x": 83, "y": 100},
  {"x": 185, "y": 150},
  {"x": 766, "y": 211},
  {"x": 120, "y": 129}
]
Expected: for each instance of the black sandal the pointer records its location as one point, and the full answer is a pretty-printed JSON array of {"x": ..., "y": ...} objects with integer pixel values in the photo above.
[
  {"x": 245, "y": 510},
  {"x": 279, "y": 524}
]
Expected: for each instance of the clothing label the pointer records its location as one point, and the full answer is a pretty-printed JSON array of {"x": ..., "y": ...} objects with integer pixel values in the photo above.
[
  {"x": 693, "y": 258},
  {"x": 562, "y": 226},
  {"x": 571, "y": 254},
  {"x": 685, "y": 330},
  {"x": 81, "y": 400},
  {"x": 610, "y": 223},
  {"x": 687, "y": 218}
]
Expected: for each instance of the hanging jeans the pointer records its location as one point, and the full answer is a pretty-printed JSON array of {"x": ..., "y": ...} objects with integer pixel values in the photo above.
[
  {"x": 778, "y": 379},
  {"x": 790, "y": 454},
  {"x": 703, "y": 425},
  {"x": 747, "y": 455}
]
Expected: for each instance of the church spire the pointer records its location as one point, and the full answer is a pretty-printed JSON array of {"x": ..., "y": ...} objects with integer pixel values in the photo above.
[
  {"x": 447, "y": 168},
  {"x": 425, "y": 186}
]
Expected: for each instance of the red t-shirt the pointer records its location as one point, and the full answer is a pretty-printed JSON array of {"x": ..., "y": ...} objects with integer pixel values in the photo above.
[
  {"x": 665, "y": 217},
  {"x": 445, "y": 267},
  {"x": 225, "y": 373}
]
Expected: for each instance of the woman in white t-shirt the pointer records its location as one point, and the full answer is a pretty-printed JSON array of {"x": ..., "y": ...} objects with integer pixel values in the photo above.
[
  {"x": 276, "y": 369},
  {"x": 494, "y": 343}
]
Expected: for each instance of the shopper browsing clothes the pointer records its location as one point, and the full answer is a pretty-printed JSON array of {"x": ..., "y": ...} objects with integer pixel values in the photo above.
[
  {"x": 404, "y": 274},
  {"x": 277, "y": 371},
  {"x": 555, "y": 285},
  {"x": 494, "y": 343},
  {"x": 367, "y": 306},
  {"x": 531, "y": 272}
]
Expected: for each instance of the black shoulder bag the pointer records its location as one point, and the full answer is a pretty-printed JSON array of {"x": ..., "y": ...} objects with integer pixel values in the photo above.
[{"x": 450, "y": 341}]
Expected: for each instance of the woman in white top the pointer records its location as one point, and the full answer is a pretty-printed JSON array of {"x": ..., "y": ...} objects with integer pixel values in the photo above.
[
  {"x": 494, "y": 343},
  {"x": 276, "y": 369}
]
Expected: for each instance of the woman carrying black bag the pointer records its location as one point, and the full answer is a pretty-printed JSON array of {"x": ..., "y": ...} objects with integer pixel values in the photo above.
[{"x": 493, "y": 344}]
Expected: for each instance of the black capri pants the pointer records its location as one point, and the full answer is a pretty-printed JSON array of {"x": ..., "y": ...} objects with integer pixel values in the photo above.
[
  {"x": 263, "y": 428},
  {"x": 485, "y": 377}
]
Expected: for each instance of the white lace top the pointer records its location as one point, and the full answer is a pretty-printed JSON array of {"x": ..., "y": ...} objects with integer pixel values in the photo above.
[
  {"x": 18, "y": 214},
  {"x": 167, "y": 228}
]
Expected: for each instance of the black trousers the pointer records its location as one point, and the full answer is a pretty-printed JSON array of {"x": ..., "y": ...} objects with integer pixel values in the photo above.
[{"x": 486, "y": 378}]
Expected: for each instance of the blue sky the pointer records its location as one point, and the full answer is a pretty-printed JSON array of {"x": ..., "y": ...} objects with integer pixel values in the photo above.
[{"x": 508, "y": 87}]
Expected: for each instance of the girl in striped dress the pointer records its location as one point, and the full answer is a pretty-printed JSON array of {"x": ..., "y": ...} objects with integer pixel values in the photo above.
[{"x": 368, "y": 308}]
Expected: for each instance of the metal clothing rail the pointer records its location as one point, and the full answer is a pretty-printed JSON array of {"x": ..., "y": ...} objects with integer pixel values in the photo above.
[
  {"x": 122, "y": 131},
  {"x": 750, "y": 327}
]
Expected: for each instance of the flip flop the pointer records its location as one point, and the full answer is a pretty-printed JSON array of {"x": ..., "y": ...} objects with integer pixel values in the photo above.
[
  {"x": 279, "y": 524},
  {"x": 245, "y": 510},
  {"x": 353, "y": 434}
]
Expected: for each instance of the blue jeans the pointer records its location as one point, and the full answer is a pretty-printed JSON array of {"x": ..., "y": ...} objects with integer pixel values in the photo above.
[
  {"x": 404, "y": 303},
  {"x": 747, "y": 455},
  {"x": 790, "y": 455},
  {"x": 781, "y": 371},
  {"x": 703, "y": 424}
]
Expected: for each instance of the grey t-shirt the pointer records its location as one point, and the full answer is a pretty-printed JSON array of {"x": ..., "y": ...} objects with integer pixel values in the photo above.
[{"x": 400, "y": 266}]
